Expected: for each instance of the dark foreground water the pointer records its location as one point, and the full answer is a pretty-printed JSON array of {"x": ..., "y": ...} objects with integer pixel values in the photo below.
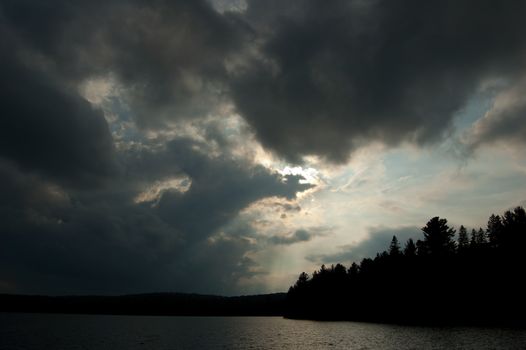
[{"x": 40, "y": 331}]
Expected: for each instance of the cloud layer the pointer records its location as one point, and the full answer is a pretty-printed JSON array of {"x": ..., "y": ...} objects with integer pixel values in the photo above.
[
  {"x": 332, "y": 76},
  {"x": 136, "y": 184}
]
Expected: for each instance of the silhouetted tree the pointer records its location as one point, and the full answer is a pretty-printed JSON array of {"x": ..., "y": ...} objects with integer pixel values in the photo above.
[
  {"x": 508, "y": 227},
  {"x": 421, "y": 248},
  {"x": 481, "y": 237},
  {"x": 354, "y": 270},
  {"x": 394, "y": 247},
  {"x": 339, "y": 270},
  {"x": 473, "y": 240},
  {"x": 323, "y": 271},
  {"x": 519, "y": 229},
  {"x": 302, "y": 279},
  {"x": 410, "y": 248},
  {"x": 366, "y": 266},
  {"x": 519, "y": 215},
  {"x": 463, "y": 240},
  {"x": 438, "y": 237},
  {"x": 514, "y": 229},
  {"x": 494, "y": 230},
  {"x": 424, "y": 275},
  {"x": 478, "y": 238}
]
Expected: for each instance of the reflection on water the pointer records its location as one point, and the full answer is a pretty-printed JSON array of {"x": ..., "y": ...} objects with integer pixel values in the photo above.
[{"x": 40, "y": 331}]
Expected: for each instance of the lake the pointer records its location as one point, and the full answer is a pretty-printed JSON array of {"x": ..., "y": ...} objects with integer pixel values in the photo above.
[{"x": 54, "y": 331}]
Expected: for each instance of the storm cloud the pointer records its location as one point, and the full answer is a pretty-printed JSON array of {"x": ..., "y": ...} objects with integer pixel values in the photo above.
[
  {"x": 46, "y": 128},
  {"x": 333, "y": 76},
  {"x": 311, "y": 77},
  {"x": 135, "y": 190},
  {"x": 168, "y": 55},
  {"x": 298, "y": 236},
  {"x": 504, "y": 122},
  {"x": 58, "y": 241}
]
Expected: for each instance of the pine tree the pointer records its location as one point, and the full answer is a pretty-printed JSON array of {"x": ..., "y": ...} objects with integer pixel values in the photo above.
[
  {"x": 478, "y": 238},
  {"x": 410, "y": 248},
  {"x": 394, "y": 247},
  {"x": 438, "y": 237},
  {"x": 421, "y": 248},
  {"x": 354, "y": 270},
  {"x": 494, "y": 231},
  {"x": 473, "y": 240},
  {"x": 481, "y": 237},
  {"x": 463, "y": 241},
  {"x": 303, "y": 279}
]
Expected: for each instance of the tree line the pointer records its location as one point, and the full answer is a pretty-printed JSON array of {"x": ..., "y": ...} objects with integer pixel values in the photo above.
[
  {"x": 159, "y": 304},
  {"x": 444, "y": 277}
]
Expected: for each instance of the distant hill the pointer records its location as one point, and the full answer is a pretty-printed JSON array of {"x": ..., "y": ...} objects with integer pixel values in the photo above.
[{"x": 175, "y": 304}]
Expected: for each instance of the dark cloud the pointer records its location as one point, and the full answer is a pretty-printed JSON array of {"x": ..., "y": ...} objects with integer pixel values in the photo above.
[
  {"x": 215, "y": 266},
  {"x": 220, "y": 186},
  {"x": 333, "y": 76},
  {"x": 377, "y": 241},
  {"x": 503, "y": 122},
  {"x": 58, "y": 242},
  {"x": 300, "y": 235},
  {"x": 46, "y": 128},
  {"x": 60, "y": 237},
  {"x": 172, "y": 54},
  {"x": 55, "y": 241},
  {"x": 168, "y": 55},
  {"x": 309, "y": 77},
  {"x": 287, "y": 207},
  {"x": 220, "y": 189}
]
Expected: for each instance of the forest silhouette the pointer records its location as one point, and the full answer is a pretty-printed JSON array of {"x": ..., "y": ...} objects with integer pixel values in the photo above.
[
  {"x": 446, "y": 277},
  {"x": 443, "y": 278}
]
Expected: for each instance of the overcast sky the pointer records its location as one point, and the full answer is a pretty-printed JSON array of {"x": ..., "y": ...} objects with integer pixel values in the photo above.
[{"x": 225, "y": 146}]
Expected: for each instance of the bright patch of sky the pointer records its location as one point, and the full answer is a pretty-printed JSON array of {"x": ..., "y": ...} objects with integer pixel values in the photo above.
[
  {"x": 153, "y": 192},
  {"x": 106, "y": 93},
  {"x": 396, "y": 188}
]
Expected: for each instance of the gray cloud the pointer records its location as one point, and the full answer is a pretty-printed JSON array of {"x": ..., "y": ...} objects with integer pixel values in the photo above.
[
  {"x": 45, "y": 127},
  {"x": 71, "y": 220},
  {"x": 58, "y": 242},
  {"x": 309, "y": 77},
  {"x": 504, "y": 122},
  {"x": 220, "y": 188},
  {"x": 333, "y": 76},
  {"x": 377, "y": 241},
  {"x": 168, "y": 55},
  {"x": 77, "y": 241},
  {"x": 301, "y": 235}
]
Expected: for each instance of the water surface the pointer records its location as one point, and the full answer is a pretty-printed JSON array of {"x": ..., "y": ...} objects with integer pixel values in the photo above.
[{"x": 42, "y": 331}]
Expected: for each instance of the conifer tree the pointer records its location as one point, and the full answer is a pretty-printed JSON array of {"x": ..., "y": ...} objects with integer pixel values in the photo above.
[
  {"x": 473, "y": 240},
  {"x": 494, "y": 231},
  {"x": 481, "y": 237},
  {"x": 478, "y": 238},
  {"x": 354, "y": 270},
  {"x": 410, "y": 248},
  {"x": 463, "y": 241},
  {"x": 438, "y": 237},
  {"x": 394, "y": 247}
]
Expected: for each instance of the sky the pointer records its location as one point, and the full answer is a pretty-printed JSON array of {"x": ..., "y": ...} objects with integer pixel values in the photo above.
[{"x": 225, "y": 146}]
